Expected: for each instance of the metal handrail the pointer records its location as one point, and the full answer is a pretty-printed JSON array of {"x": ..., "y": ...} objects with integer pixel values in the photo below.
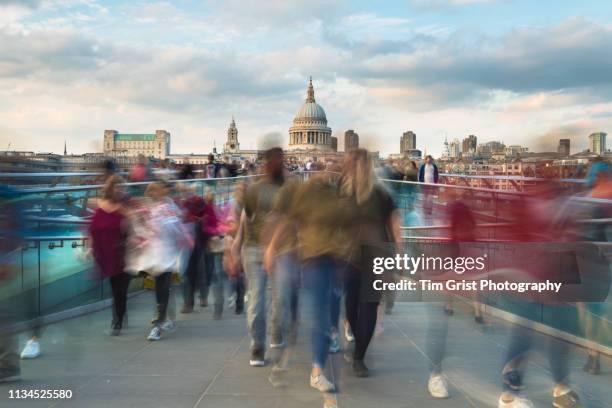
[
  {"x": 578, "y": 198},
  {"x": 61, "y": 189},
  {"x": 434, "y": 227},
  {"x": 52, "y": 220},
  {"x": 98, "y": 173},
  {"x": 79, "y": 173},
  {"x": 56, "y": 238},
  {"x": 515, "y": 178},
  {"x": 500, "y": 224},
  {"x": 441, "y": 185}
]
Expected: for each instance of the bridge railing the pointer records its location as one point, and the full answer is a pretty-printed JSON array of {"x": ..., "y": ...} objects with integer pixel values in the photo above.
[
  {"x": 52, "y": 273},
  {"x": 495, "y": 214}
]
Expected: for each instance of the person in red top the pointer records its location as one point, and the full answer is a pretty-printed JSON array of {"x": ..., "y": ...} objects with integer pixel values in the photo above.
[
  {"x": 108, "y": 234},
  {"x": 193, "y": 206}
]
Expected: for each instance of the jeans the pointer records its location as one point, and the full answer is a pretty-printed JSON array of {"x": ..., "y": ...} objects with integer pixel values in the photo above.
[
  {"x": 257, "y": 282},
  {"x": 435, "y": 337},
  {"x": 119, "y": 285},
  {"x": 285, "y": 286},
  {"x": 520, "y": 343},
  {"x": 320, "y": 278}
]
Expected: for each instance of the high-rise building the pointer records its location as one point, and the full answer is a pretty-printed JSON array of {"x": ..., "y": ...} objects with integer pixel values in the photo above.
[
  {"x": 155, "y": 145},
  {"x": 232, "y": 145},
  {"x": 564, "y": 147},
  {"x": 351, "y": 140},
  {"x": 454, "y": 149},
  {"x": 468, "y": 147},
  {"x": 408, "y": 141},
  {"x": 334, "y": 143},
  {"x": 597, "y": 142}
]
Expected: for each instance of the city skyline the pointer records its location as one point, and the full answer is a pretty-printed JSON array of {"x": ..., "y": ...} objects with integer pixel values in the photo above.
[{"x": 441, "y": 68}]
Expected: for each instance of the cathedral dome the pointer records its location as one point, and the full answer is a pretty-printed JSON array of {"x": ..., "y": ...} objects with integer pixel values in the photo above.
[
  {"x": 310, "y": 132},
  {"x": 310, "y": 110}
]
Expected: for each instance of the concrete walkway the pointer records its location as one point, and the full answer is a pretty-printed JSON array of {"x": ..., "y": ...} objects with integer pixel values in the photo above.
[{"x": 204, "y": 363}]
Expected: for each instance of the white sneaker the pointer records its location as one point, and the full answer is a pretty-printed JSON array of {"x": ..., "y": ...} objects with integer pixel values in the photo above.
[
  {"x": 31, "y": 349},
  {"x": 277, "y": 342},
  {"x": 348, "y": 333},
  {"x": 437, "y": 386},
  {"x": 168, "y": 326},
  {"x": 155, "y": 334},
  {"x": 517, "y": 402},
  {"x": 321, "y": 383}
]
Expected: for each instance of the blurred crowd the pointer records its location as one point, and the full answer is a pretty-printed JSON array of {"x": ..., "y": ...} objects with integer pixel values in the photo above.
[{"x": 285, "y": 242}]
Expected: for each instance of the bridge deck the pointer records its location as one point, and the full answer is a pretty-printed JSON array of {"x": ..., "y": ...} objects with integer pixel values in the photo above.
[{"x": 204, "y": 363}]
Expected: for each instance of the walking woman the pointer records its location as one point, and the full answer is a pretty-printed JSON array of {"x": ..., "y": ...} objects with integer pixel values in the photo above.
[
  {"x": 167, "y": 236},
  {"x": 374, "y": 224},
  {"x": 319, "y": 217},
  {"x": 108, "y": 234}
]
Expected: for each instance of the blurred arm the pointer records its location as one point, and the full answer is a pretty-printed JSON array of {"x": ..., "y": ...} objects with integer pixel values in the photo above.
[{"x": 395, "y": 228}]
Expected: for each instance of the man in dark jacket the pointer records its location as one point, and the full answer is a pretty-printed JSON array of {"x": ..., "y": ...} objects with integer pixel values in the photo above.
[{"x": 428, "y": 173}]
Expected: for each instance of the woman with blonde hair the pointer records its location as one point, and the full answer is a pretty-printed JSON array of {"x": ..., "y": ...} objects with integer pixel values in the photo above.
[
  {"x": 108, "y": 235},
  {"x": 374, "y": 224}
]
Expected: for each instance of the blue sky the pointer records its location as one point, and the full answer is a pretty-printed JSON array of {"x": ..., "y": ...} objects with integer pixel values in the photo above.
[{"x": 525, "y": 72}]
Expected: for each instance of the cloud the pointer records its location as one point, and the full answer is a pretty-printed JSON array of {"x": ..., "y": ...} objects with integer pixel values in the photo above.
[
  {"x": 567, "y": 57},
  {"x": 440, "y": 4},
  {"x": 276, "y": 14},
  {"x": 577, "y": 131},
  {"x": 22, "y": 3},
  {"x": 375, "y": 73}
]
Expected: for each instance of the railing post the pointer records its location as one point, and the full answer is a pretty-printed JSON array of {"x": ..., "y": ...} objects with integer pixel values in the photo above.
[{"x": 39, "y": 311}]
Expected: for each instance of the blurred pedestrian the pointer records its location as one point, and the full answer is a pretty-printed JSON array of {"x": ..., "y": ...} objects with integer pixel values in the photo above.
[{"x": 108, "y": 234}]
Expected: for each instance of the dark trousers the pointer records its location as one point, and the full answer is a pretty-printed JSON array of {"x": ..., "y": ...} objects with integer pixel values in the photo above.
[
  {"x": 361, "y": 315},
  {"x": 162, "y": 296},
  {"x": 119, "y": 285},
  {"x": 196, "y": 275},
  {"x": 237, "y": 287}
]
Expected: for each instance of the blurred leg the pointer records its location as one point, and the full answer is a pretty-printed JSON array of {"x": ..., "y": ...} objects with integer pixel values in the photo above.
[
  {"x": 120, "y": 284},
  {"x": 437, "y": 331},
  {"x": 162, "y": 296},
  {"x": 520, "y": 343},
  {"x": 282, "y": 284},
  {"x": 239, "y": 282},
  {"x": 318, "y": 277},
  {"x": 218, "y": 283},
  {"x": 257, "y": 285},
  {"x": 366, "y": 323},
  {"x": 206, "y": 276}
]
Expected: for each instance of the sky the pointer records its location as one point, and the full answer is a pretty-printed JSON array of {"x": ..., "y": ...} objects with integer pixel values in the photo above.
[{"x": 522, "y": 72}]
